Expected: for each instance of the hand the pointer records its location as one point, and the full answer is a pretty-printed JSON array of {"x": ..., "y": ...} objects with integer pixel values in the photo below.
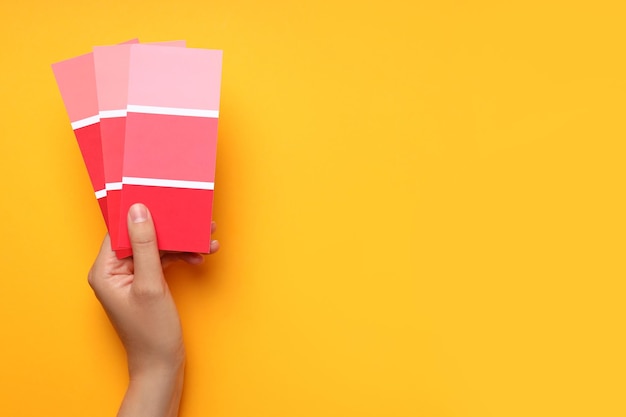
[{"x": 137, "y": 300}]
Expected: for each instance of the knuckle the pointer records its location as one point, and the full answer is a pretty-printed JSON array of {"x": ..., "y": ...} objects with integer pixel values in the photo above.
[
  {"x": 91, "y": 280},
  {"x": 143, "y": 240}
]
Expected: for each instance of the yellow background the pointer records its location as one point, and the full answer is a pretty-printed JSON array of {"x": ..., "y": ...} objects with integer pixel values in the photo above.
[{"x": 421, "y": 211}]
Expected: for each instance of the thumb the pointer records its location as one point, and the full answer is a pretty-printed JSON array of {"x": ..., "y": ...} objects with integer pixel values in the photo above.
[{"x": 146, "y": 258}]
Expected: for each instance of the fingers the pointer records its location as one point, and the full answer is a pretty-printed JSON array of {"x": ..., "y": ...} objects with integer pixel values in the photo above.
[
  {"x": 190, "y": 258},
  {"x": 96, "y": 269},
  {"x": 148, "y": 270},
  {"x": 168, "y": 258},
  {"x": 215, "y": 245},
  {"x": 105, "y": 250}
]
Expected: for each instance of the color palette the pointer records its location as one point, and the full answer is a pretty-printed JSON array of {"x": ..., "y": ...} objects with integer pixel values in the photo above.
[{"x": 145, "y": 118}]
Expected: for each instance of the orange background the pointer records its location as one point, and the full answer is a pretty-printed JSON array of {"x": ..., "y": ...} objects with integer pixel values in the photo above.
[{"x": 421, "y": 211}]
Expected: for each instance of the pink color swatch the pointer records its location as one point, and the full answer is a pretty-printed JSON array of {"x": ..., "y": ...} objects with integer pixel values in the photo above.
[
  {"x": 111, "y": 67},
  {"x": 76, "y": 80},
  {"x": 171, "y": 139},
  {"x": 175, "y": 77}
]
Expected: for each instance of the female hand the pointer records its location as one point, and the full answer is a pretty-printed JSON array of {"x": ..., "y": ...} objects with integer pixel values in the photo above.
[{"x": 137, "y": 300}]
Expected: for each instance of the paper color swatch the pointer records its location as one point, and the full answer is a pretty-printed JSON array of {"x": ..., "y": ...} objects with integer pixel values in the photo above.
[
  {"x": 76, "y": 80},
  {"x": 112, "y": 66},
  {"x": 145, "y": 118}
]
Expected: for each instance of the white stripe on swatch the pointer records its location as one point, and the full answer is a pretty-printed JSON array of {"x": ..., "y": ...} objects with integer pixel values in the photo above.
[
  {"x": 173, "y": 111},
  {"x": 156, "y": 182},
  {"x": 85, "y": 122},
  {"x": 108, "y": 114},
  {"x": 101, "y": 193},
  {"x": 113, "y": 186}
]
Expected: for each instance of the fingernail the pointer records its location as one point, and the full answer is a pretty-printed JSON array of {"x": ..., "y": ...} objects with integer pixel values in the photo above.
[{"x": 138, "y": 213}]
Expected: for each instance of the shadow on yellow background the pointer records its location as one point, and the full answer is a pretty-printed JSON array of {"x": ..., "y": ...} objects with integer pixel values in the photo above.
[{"x": 420, "y": 209}]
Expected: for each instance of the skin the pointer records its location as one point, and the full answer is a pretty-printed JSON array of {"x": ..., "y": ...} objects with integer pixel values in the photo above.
[{"x": 138, "y": 302}]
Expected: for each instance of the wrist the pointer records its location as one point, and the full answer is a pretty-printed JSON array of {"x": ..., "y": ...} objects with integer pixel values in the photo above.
[
  {"x": 146, "y": 367},
  {"x": 156, "y": 364},
  {"x": 154, "y": 391}
]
